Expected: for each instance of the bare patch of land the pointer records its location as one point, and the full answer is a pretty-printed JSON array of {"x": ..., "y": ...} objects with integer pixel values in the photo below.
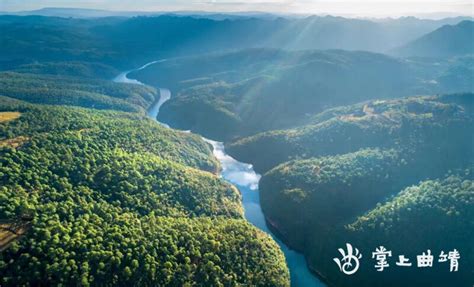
[
  {"x": 14, "y": 142},
  {"x": 11, "y": 231},
  {"x": 9, "y": 116}
]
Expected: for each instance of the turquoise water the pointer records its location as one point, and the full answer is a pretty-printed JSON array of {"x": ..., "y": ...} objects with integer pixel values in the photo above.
[{"x": 246, "y": 179}]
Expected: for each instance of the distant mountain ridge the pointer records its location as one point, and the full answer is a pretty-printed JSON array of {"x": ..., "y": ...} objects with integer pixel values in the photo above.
[
  {"x": 135, "y": 40},
  {"x": 446, "y": 41},
  {"x": 93, "y": 13},
  {"x": 68, "y": 12},
  {"x": 255, "y": 90}
]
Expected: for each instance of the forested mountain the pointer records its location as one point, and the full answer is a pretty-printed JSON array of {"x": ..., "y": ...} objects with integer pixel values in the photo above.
[
  {"x": 274, "y": 89},
  {"x": 74, "y": 13},
  {"x": 449, "y": 40},
  {"x": 88, "y": 70},
  {"x": 109, "y": 198},
  {"x": 433, "y": 213},
  {"x": 335, "y": 173},
  {"x": 74, "y": 91},
  {"x": 254, "y": 90},
  {"x": 25, "y": 40},
  {"x": 353, "y": 146},
  {"x": 103, "y": 197},
  {"x": 125, "y": 42},
  {"x": 400, "y": 123}
]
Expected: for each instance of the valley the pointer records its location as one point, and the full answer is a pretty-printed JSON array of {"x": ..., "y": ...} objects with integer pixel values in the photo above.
[
  {"x": 234, "y": 149},
  {"x": 244, "y": 177}
]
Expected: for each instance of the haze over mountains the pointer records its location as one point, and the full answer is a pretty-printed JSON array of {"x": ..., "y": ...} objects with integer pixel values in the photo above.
[
  {"x": 446, "y": 41},
  {"x": 255, "y": 90},
  {"x": 335, "y": 172},
  {"x": 130, "y": 41},
  {"x": 361, "y": 129},
  {"x": 97, "y": 13}
]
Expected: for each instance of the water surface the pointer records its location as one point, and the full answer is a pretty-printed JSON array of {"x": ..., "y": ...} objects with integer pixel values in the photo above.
[{"x": 246, "y": 179}]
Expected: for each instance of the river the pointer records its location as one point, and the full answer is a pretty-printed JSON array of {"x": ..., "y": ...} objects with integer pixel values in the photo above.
[{"x": 246, "y": 179}]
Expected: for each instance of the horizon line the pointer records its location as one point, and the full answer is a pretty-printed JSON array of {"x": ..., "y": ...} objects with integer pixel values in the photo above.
[{"x": 419, "y": 15}]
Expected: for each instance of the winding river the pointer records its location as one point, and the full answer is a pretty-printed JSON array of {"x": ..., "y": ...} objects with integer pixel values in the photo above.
[{"x": 246, "y": 179}]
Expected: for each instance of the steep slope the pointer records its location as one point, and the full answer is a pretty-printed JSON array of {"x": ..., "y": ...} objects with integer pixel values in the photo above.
[
  {"x": 126, "y": 42},
  {"x": 88, "y": 70},
  {"x": 254, "y": 90},
  {"x": 447, "y": 41},
  {"x": 260, "y": 89},
  {"x": 75, "y": 91},
  {"x": 441, "y": 208},
  {"x": 350, "y": 181},
  {"x": 434, "y": 214},
  {"x": 399, "y": 123},
  {"x": 109, "y": 198}
]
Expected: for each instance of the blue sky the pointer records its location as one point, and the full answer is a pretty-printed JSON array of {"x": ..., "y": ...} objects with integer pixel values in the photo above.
[{"x": 339, "y": 7}]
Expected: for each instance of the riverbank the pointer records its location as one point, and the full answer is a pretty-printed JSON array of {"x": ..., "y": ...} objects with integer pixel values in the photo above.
[{"x": 246, "y": 179}]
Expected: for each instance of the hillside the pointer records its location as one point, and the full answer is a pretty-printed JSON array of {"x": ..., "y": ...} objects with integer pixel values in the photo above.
[
  {"x": 88, "y": 70},
  {"x": 36, "y": 87},
  {"x": 109, "y": 198},
  {"x": 400, "y": 123},
  {"x": 260, "y": 89},
  {"x": 126, "y": 42},
  {"x": 446, "y": 41},
  {"x": 255, "y": 90},
  {"x": 439, "y": 207},
  {"x": 352, "y": 178},
  {"x": 329, "y": 141}
]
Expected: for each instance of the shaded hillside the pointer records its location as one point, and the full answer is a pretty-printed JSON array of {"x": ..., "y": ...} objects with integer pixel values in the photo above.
[
  {"x": 127, "y": 42},
  {"x": 362, "y": 202},
  {"x": 28, "y": 39},
  {"x": 447, "y": 41},
  {"x": 399, "y": 123},
  {"x": 73, "y": 68},
  {"x": 350, "y": 181},
  {"x": 75, "y": 91},
  {"x": 441, "y": 208},
  {"x": 254, "y": 90}
]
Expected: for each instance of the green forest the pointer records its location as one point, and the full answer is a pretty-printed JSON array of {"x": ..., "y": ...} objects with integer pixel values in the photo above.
[
  {"x": 113, "y": 198},
  {"x": 343, "y": 130},
  {"x": 256, "y": 90},
  {"x": 76, "y": 91},
  {"x": 399, "y": 175}
]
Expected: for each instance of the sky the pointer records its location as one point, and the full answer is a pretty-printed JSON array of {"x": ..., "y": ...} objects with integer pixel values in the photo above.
[{"x": 368, "y": 8}]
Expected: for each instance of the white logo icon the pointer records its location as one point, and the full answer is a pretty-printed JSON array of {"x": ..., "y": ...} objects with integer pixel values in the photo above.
[{"x": 349, "y": 264}]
